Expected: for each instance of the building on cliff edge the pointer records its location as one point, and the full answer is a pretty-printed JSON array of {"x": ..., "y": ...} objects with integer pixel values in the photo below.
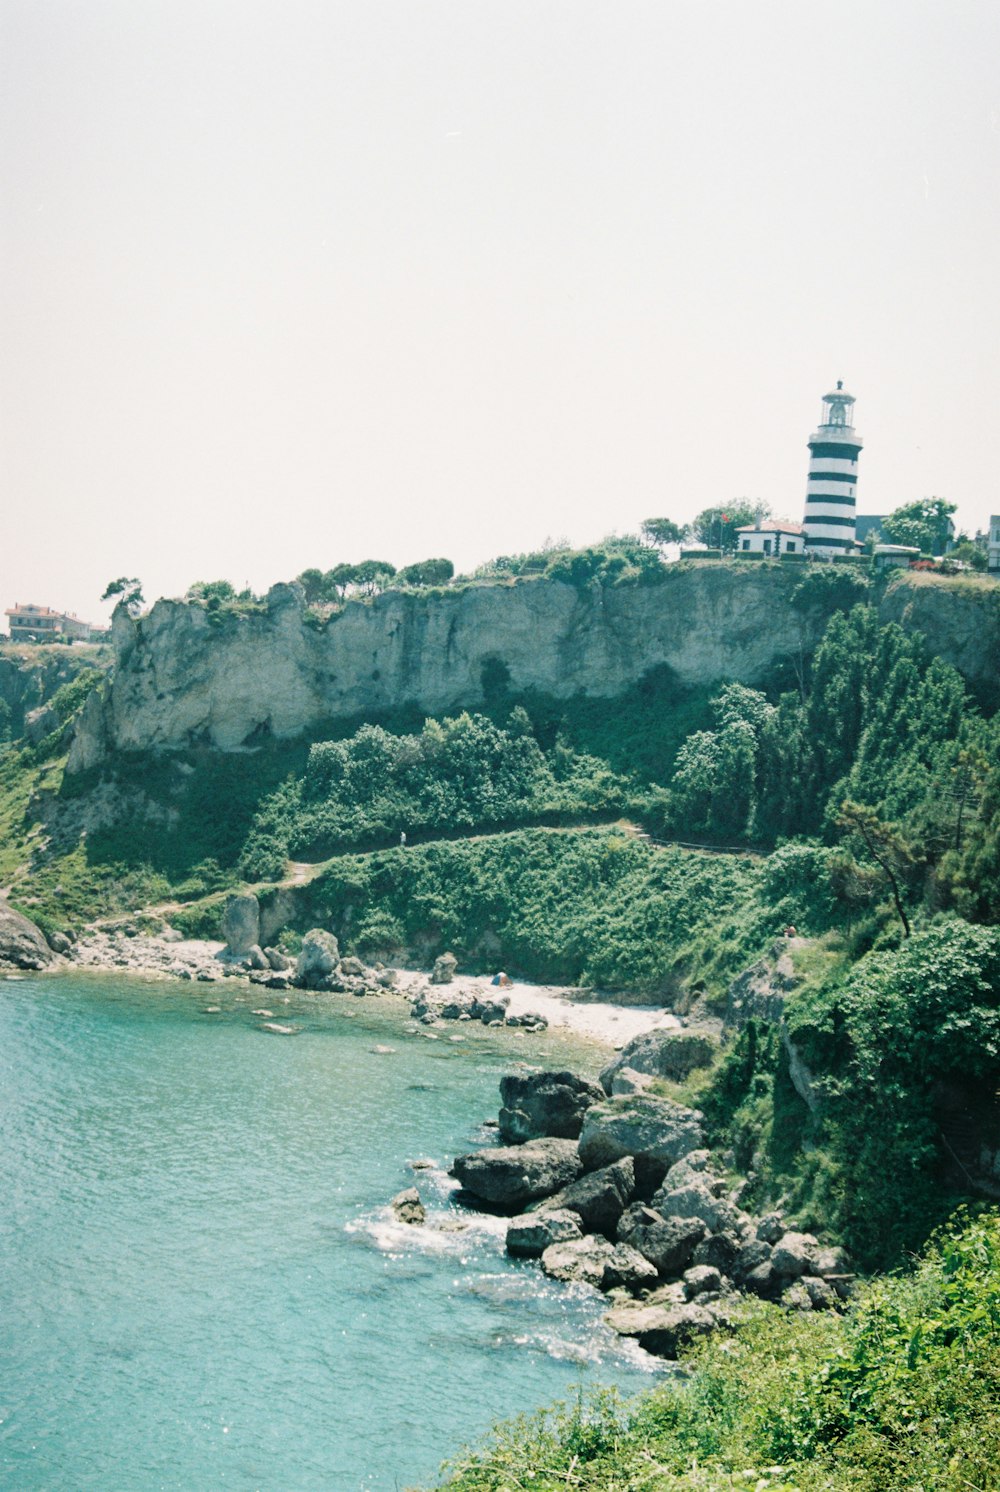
[
  {"x": 831, "y": 489},
  {"x": 31, "y": 623}
]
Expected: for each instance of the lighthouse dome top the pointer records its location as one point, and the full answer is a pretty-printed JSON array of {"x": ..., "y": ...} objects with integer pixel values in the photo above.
[{"x": 839, "y": 394}]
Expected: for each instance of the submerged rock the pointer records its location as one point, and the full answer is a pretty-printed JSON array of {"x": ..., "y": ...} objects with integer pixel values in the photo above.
[{"x": 408, "y": 1208}]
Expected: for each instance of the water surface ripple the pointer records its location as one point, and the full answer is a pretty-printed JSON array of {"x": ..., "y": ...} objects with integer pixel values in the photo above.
[{"x": 202, "y": 1286}]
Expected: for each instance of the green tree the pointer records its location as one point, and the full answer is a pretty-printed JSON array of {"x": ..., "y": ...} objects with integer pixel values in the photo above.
[
  {"x": 372, "y": 576},
  {"x": 925, "y": 525},
  {"x": 968, "y": 553},
  {"x": 129, "y": 592},
  {"x": 717, "y": 527},
  {"x": 660, "y": 531},
  {"x": 338, "y": 581},
  {"x": 426, "y": 572},
  {"x": 209, "y": 591},
  {"x": 884, "y": 844},
  {"x": 314, "y": 584}
]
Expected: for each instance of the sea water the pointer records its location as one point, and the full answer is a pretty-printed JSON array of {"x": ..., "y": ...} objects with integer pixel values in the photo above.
[{"x": 201, "y": 1283}]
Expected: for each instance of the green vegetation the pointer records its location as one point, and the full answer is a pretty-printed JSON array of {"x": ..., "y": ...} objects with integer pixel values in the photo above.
[
  {"x": 901, "y": 1393},
  {"x": 719, "y": 526},
  {"x": 128, "y": 591},
  {"x": 569, "y": 906},
  {"x": 925, "y": 525},
  {"x": 454, "y": 777}
]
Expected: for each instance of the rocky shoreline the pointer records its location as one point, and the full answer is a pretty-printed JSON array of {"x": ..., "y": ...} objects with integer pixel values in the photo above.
[
  {"x": 128, "y": 945},
  {"x": 609, "y": 1186}
]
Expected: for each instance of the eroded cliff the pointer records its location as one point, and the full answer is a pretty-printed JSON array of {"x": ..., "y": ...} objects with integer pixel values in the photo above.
[{"x": 185, "y": 675}]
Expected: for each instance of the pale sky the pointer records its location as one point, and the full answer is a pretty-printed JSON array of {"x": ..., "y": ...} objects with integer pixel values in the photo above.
[{"x": 290, "y": 282}]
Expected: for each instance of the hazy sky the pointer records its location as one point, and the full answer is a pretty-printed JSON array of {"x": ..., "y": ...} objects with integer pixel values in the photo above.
[{"x": 289, "y": 283}]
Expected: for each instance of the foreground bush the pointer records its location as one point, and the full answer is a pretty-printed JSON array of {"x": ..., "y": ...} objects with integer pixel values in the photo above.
[{"x": 901, "y": 1393}]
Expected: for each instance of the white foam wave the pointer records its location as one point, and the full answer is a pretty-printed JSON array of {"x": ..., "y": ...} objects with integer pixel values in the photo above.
[{"x": 444, "y": 1232}]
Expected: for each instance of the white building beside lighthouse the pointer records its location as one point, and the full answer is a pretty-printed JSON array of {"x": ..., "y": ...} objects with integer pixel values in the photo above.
[{"x": 831, "y": 490}]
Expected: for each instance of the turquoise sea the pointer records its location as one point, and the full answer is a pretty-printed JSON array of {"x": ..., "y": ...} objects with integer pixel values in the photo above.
[{"x": 201, "y": 1285}]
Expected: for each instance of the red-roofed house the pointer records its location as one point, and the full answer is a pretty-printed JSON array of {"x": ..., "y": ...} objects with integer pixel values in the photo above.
[
  {"x": 770, "y": 538},
  {"x": 42, "y": 624}
]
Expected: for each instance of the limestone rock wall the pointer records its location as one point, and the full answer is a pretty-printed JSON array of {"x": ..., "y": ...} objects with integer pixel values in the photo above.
[
  {"x": 181, "y": 677},
  {"x": 184, "y": 677},
  {"x": 960, "y": 618}
]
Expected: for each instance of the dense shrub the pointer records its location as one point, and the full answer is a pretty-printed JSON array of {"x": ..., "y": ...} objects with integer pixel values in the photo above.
[
  {"x": 888, "y": 1042},
  {"x": 592, "y": 906},
  {"x": 456, "y": 776}
]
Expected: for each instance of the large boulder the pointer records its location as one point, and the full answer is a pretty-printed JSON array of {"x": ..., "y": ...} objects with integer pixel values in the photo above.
[
  {"x": 491, "y": 1010},
  {"x": 241, "y": 924},
  {"x": 795, "y": 1254},
  {"x": 318, "y": 958},
  {"x": 545, "y": 1103},
  {"x": 595, "y": 1261},
  {"x": 511, "y": 1176},
  {"x": 627, "y": 1080},
  {"x": 22, "y": 944},
  {"x": 663, "y": 1053},
  {"x": 444, "y": 968},
  {"x": 662, "y": 1329},
  {"x": 655, "y": 1131},
  {"x": 668, "y": 1243},
  {"x": 600, "y": 1198},
  {"x": 720, "y": 1251},
  {"x": 529, "y": 1236},
  {"x": 700, "y": 1199}
]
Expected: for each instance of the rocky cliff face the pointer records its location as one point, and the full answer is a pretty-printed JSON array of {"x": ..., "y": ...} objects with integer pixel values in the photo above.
[
  {"x": 960, "y": 618},
  {"x": 29, "y": 676},
  {"x": 183, "y": 677}
]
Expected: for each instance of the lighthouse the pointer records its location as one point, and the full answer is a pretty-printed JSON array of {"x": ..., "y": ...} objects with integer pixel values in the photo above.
[{"x": 828, "y": 525}]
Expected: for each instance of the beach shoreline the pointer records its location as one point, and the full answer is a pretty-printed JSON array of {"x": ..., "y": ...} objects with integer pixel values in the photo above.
[{"x": 594, "y": 1015}]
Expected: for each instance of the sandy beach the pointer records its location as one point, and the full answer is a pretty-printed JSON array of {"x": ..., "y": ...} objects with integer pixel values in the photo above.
[{"x": 588, "y": 1014}]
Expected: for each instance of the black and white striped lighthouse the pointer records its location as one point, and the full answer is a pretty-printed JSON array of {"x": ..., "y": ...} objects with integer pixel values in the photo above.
[{"x": 831, "y": 490}]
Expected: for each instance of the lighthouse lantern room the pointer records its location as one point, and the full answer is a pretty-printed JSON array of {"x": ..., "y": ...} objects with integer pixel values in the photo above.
[{"x": 831, "y": 490}]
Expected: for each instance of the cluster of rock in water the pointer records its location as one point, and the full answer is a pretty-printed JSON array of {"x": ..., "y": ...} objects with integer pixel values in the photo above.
[{"x": 618, "y": 1191}]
